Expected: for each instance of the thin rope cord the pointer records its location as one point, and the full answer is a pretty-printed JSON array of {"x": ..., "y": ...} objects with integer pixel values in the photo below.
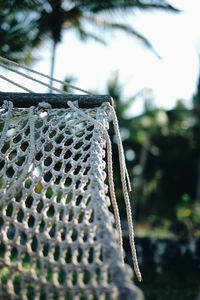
[
  {"x": 33, "y": 79},
  {"x": 25, "y": 171},
  {"x": 15, "y": 83},
  {"x": 6, "y": 124},
  {"x": 110, "y": 171},
  {"x": 46, "y": 76},
  {"x": 123, "y": 172}
]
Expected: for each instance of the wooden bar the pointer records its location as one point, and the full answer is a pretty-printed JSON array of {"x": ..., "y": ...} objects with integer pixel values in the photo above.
[{"x": 23, "y": 100}]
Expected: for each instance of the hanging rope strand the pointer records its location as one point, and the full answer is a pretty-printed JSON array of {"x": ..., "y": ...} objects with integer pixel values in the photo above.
[{"x": 124, "y": 172}]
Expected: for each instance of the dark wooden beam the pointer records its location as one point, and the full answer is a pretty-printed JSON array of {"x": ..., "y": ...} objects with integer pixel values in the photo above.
[{"x": 56, "y": 100}]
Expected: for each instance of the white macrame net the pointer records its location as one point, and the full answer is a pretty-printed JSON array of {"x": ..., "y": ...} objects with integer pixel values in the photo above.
[{"x": 57, "y": 236}]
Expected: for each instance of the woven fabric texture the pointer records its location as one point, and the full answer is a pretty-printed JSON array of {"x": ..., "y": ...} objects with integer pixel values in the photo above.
[{"x": 57, "y": 236}]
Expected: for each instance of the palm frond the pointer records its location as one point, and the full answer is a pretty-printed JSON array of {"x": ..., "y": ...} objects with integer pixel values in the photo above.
[
  {"x": 126, "y": 28},
  {"x": 105, "y": 5}
]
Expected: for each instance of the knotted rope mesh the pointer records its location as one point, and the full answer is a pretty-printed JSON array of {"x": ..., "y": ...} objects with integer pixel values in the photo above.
[{"x": 57, "y": 236}]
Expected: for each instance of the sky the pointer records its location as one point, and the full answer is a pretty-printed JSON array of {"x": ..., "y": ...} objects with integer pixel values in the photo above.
[{"x": 175, "y": 37}]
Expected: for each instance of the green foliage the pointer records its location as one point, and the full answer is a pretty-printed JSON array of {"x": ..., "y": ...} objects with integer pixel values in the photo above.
[{"x": 162, "y": 155}]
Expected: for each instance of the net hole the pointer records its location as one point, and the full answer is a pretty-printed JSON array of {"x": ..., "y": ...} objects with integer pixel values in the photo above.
[
  {"x": 59, "y": 196},
  {"x": 23, "y": 239},
  {"x": 91, "y": 219},
  {"x": 91, "y": 255},
  {"x": 68, "y": 256},
  {"x": 79, "y": 199},
  {"x": 57, "y": 152},
  {"x": 52, "y": 133},
  {"x": 12, "y": 155},
  {"x": 46, "y": 249},
  {"x": 71, "y": 215},
  {"x": 17, "y": 139},
  {"x": 68, "y": 182},
  {"x": 68, "y": 154},
  {"x": 38, "y": 156},
  {"x": 5, "y": 147},
  {"x": 68, "y": 296},
  {"x": 42, "y": 226},
  {"x": 49, "y": 274},
  {"x": 9, "y": 210},
  {"x": 2, "y": 249},
  {"x": 48, "y": 161},
  {"x": 24, "y": 146},
  {"x": 11, "y": 232},
  {"x": 48, "y": 176},
  {"x": 20, "y": 216},
  {"x": 13, "y": 254},
  {"x": 49, "y": 192},
  {"x": 10, "y": 172},
  {"x": 58, "y": 166},
  {"x": 20, "y": 161},
  {"x": 79, "y": 255},
  {"x": 52, "y": 231},
  {"x": 40, "y": 206},
  {"x": 30, "y": 292},
  {"x": 28, "y": 183},
  {"x": 59, "y": 139},
  {"x": 77, "y": 170},
  {"x": 18, "y": 196},
  {"x": 61, "y": 276},
  {"x": 31, "y": 221},
  {"x": 86, "y": 277},
  {"x": 26, "y": 261},
  {"x": 56, "y": 253},
  {"x": 38, "y": 188},
  {"x": 68, "y": 142},
  {"x": 17, "y": 283},
  {"x": 51, "y": 211},
  {"x": 29, "y": 201},
  {"x": 74, "y": 235},
  {"x": 1, "y": 182},
  {"x": 81, "y": 216},
  {"x": 74, "y": 277},
  {"x": 48, "y": 147},
  {"x": 4, "y": 274},
  {"x": 63, "y": 234},
  {"x": 34, "y": 244}
]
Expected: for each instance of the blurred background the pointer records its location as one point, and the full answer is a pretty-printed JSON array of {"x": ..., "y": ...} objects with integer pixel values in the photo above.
[{"x": 145, "y": 54}]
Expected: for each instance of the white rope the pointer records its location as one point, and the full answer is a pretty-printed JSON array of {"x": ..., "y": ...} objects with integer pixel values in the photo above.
[
  {"x": 33, "y": 79},
  {"x": 124, "y": 172},
  {"x": 110, "y": 171},
  {"x": 26, "y": 169},
  {"x": 15, "y": 83},
  {"x": 6, "y": 123},
  {"x": 123, "y": 169},
  {"x": 44, "y": 75}
]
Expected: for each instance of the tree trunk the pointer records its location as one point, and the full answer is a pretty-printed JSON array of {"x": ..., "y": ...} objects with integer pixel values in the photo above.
[{"x": 53, "y": 57}]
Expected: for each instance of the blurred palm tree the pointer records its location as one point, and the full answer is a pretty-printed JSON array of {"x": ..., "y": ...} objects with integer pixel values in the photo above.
[
  {"x": 18, "y": 36},
  {"x": 79, "y": 15}
]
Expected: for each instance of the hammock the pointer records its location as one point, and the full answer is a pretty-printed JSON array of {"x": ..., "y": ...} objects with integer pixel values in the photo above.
[{"x": 57, "y": 236}]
